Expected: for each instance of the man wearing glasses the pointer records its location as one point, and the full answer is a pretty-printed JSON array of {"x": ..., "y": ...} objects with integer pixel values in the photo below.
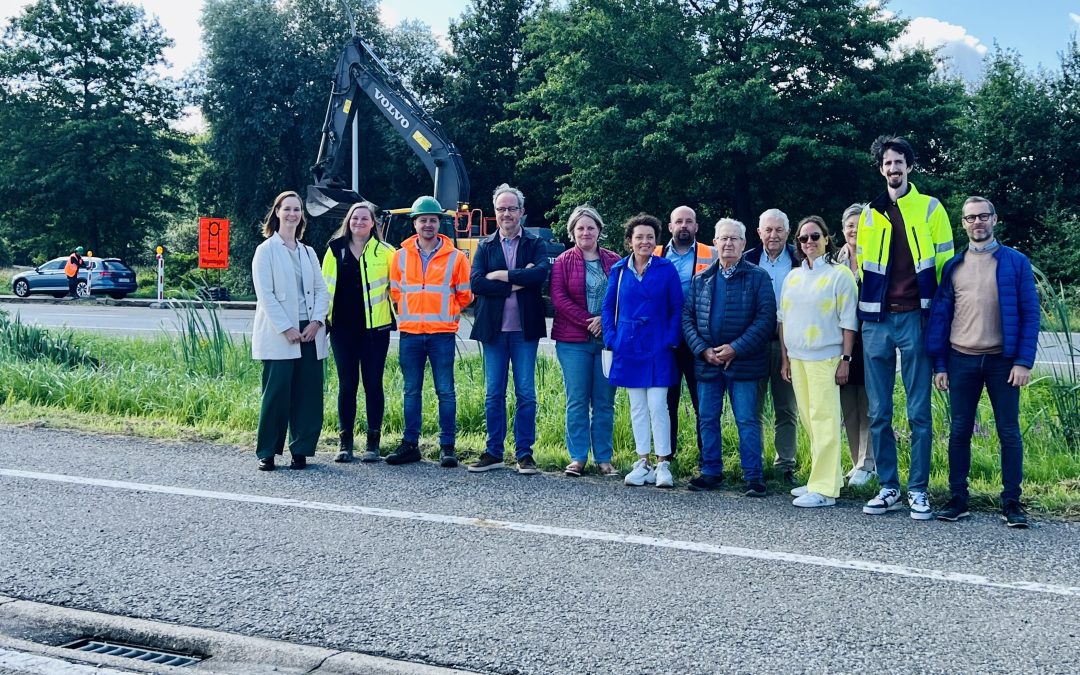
[
  {"x": 903, "y": 242},
  {"x": 508, "y": 274},
  {"x": 984, "y": 332},
  {"x": 729, "y": 317}
]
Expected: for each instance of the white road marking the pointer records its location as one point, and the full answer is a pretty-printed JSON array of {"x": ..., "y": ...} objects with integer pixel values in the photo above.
[{"x": 572, "y": 533}]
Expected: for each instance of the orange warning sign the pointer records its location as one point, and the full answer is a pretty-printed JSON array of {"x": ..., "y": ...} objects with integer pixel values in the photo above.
[{"x": 213, "y": 243}]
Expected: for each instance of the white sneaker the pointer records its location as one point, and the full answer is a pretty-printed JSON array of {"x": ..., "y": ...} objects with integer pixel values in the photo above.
[
  {"x": 640, "y": 474},
  {"x": 888, "y": 499},
  {"x": 663, "y": 475},
  {"x": 798, "y": 491},
  {"x": 859, "y": 477},
  {"x": 812, "y": 500},
  {"x": 919, "y": 503}
]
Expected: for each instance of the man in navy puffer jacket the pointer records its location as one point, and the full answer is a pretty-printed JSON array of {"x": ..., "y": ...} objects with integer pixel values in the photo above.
[
  {"x": 729, "y": 316},
  {"x": 983, "y": 332}
]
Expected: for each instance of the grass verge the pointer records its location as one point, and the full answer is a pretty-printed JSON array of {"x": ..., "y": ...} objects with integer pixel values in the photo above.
[{"x": 155, "y": 388}]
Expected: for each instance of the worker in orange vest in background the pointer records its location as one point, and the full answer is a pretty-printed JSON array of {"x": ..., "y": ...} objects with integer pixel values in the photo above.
[{"x": 71, "y": 269}]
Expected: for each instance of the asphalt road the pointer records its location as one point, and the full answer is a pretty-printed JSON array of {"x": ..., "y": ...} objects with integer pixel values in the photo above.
[
  {"x": 149, "y": 321},
  {"x": 503, "y": 573}
]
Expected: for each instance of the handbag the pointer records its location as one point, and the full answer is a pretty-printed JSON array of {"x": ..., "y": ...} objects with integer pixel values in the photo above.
[{"x": 607, "y": 356}]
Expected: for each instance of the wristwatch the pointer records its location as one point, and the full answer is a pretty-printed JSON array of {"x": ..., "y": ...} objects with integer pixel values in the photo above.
[{"x": 846, "y": 357}]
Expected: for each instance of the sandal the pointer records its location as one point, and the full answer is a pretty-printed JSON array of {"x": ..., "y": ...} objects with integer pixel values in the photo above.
[
  {"x": 608, "y": 470},
  {"x": 574, "y": 469}
]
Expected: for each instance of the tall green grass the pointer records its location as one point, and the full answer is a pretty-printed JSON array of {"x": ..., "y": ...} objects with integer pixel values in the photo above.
[{"x": 144, "y": 385}]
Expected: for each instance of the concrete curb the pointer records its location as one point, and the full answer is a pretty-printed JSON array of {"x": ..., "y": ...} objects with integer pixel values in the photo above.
[{"x": 37, "y": 628}]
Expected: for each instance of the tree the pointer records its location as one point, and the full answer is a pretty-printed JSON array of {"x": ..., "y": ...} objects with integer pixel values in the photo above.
[
  {"x": 483, "y": 68},
  {"x": 86, "y": 152},
  {"x": 1010, "y": 150},
  {"x": 734, "y": 107}
]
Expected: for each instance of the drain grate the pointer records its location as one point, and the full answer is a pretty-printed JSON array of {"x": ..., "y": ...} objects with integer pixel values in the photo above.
[{"x": 135, "y": 652}]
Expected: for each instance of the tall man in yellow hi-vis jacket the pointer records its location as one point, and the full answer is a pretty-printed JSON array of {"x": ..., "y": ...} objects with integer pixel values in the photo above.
[{"x": 903, "y": 241}]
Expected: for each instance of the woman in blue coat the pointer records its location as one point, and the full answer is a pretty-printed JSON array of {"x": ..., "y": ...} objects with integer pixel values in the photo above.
[{"x": 641, "y": 325}]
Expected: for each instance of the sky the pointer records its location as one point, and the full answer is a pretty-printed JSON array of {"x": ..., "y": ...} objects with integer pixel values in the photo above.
[{"x": 1039, "y": 30}]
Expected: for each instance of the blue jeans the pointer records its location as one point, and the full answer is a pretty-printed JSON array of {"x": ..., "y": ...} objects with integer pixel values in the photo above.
[
  {"x": 413, "y": 351},
  {"x": 499, "y": 354},
  {"x": 881, "y": 339},
  {"x": 967, "y": 377},
  {"x": 744, "y": 402},
  {"x": 587, "y": 387}
]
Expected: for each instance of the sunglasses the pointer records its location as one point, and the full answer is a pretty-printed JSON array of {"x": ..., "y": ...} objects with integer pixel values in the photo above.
[{"x": 813, "y": 236}]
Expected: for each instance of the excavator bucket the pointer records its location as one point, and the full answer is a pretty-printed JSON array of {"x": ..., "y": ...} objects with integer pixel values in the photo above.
[{"x": 323, "y": 201}]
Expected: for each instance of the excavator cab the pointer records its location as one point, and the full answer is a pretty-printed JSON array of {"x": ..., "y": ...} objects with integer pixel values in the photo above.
[{"x": 465, "y": 228}]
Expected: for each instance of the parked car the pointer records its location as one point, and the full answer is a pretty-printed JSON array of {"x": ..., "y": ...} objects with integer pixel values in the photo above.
[{"x": 107, "y": 276}]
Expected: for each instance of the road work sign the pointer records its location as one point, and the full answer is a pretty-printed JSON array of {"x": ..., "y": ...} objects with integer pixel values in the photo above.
[{"x": 213, "y": 243}]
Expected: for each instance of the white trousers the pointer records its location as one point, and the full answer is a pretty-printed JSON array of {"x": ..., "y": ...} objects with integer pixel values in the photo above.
[{"x": 649, "y": 412}]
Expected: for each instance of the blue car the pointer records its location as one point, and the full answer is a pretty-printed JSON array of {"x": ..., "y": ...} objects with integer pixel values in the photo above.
[{"x": 106, "y": 276}]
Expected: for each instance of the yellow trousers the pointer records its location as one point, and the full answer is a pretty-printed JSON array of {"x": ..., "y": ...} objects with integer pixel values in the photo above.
[{"x": 818, "y": 398}]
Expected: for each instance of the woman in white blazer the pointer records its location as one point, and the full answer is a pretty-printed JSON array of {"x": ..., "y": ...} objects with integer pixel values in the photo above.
[{"x": 289, "y": 336}]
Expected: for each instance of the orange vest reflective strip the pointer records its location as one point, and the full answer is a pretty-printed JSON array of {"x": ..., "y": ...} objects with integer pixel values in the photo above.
[{"x": 430, "y": 306}]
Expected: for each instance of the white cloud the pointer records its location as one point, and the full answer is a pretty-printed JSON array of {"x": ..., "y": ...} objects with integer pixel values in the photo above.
[
  {"x": 1075, "y": 18},
  {"x": 960, "y": 51},
  {"x": 388, "y": 15}
]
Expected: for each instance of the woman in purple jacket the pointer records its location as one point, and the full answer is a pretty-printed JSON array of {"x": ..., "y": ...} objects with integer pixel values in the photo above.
[{"x": 578, "y": 284}]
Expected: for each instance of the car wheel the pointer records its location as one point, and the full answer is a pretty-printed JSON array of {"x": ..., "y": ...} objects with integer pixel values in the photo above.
[
  {"x": 21, "y": 288},
  {"x": 117, "y": 296},
  {"x": 81, "y": 290}
]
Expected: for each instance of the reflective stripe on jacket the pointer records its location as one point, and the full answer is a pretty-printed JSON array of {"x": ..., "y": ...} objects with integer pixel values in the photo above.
[
  {"x": 374, "y": 278},
  {"x": 705, "y": 256},
  {"x": 429, "y": 302},
  {"x": 929, "y": 236}
]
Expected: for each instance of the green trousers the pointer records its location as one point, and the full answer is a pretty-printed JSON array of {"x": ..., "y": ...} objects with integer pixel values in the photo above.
[{"x": 292, "y": 400}]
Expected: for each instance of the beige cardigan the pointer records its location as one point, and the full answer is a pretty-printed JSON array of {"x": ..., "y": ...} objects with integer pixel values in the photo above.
[{"x": 277, "y": 309}]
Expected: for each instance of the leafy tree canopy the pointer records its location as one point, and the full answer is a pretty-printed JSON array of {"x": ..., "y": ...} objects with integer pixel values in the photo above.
[{"x": 86, "y": 153}]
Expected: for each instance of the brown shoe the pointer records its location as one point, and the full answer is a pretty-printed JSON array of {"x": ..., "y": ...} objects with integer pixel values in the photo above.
[{"x": 526, "y": 466}]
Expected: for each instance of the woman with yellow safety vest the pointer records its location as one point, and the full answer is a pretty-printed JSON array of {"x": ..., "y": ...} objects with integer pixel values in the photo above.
[{"x": 356, "y": 269}]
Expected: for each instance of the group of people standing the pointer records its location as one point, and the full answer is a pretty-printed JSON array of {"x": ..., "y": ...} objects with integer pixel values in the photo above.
[{"x": 815, "y": 326}]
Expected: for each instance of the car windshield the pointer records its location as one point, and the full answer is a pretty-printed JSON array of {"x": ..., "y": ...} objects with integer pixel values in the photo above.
[{"x": 115, "y": 266}]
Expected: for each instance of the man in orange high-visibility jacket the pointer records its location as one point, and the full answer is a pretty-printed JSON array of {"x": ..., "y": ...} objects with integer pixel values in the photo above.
[
  {"x": 71, "y": 270},
  {"x": 691, "y": 258},
  {"x": 429, "y": 283}
]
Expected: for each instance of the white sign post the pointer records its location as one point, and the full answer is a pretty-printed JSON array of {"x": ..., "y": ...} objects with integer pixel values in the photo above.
[{"x": 160, "y": 274}]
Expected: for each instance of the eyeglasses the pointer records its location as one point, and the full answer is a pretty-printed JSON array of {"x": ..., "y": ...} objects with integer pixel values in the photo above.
[
  {"x": 507, "y": 209},
  {"x": 728, "y": 240},
  {"x": 981, "y": 217},
  {"x": 813, "y": 236}
]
